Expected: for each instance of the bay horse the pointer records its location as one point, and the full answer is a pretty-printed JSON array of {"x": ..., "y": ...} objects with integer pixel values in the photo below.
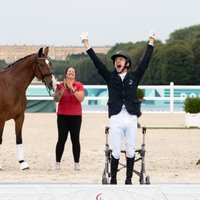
[{"x": 14, "y": 80}]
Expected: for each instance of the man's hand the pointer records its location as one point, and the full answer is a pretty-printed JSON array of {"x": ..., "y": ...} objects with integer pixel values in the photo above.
[
  {"x": 152, "y": 37},
  {"x": 152, "y": 34},
  {"x": 84, "y": 40},
  {"x": 84, "y": 36}
]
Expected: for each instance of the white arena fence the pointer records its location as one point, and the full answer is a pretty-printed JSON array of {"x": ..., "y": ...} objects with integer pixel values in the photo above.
[{"x": 163, "y": 96}]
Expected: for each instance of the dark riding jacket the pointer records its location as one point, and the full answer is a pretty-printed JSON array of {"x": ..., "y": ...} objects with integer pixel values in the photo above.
[{"x": 122, "y": 92}]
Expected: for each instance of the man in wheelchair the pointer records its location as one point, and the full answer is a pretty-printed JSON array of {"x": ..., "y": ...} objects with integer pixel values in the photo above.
[{"x": 123, "y": 103}]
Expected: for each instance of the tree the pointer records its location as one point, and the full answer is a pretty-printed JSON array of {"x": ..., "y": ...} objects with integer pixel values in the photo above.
[
  {"x": 178, "y": 64},
  {"x": 196, "y": 52},
  {"x": 87, "y": 73},
  {"x": 154, "y": 72},
  {"x": 59, "y": 67},
  {"x": 185, "y": 34},
  {"x": 176, "y": 60}
]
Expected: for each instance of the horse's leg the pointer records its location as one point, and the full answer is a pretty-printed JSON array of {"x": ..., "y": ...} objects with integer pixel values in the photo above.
[
  {"x": 19, "y": 120},
  {"x": 1, "y": 134}
]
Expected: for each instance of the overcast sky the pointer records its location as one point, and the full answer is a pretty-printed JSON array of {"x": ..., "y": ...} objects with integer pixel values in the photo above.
[{"x": 60, "y": 22}]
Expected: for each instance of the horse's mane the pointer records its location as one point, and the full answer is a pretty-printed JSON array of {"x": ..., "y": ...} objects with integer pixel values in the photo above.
[{"x": 21, "y": 59}]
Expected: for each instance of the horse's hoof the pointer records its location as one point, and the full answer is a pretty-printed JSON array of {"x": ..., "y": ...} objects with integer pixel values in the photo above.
[{"x": 24, "y": 165}]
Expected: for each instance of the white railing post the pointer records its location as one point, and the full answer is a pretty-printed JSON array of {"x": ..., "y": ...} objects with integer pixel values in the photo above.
[{"x": 171, "y": 97}]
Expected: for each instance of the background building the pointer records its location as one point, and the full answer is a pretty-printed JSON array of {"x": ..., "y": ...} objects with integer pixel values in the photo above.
[{"x": 15, "y": 52}]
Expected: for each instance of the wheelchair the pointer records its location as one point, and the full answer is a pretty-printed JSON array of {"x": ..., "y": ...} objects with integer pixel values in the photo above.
[{"x": 139, "y": 156}]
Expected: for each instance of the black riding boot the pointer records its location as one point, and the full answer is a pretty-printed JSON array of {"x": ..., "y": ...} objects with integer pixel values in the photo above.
[
  {"x": 114, "y": 168},
  {"x": 129, "y": 170}
]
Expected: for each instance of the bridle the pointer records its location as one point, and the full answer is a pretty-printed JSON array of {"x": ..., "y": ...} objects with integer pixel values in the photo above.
[{"x": 40, "y": 66}]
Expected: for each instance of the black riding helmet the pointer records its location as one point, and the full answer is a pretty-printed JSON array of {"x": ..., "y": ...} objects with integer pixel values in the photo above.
[{"x": 123, "y": 54}]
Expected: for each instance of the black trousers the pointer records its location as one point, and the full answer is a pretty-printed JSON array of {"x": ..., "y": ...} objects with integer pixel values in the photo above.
[{"x": 68, "y": 124}]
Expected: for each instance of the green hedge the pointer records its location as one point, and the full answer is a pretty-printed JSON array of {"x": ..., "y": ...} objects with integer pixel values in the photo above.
[
  {"x": 140, "y": 93},
  {"x": 192, "y": 105}
]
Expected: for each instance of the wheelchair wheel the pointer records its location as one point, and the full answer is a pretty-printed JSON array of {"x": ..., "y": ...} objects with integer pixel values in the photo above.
[
  {"x": 147, "y": 179},
  {"x": 144, "y": 179},
  {"x": 141, "y": 179},
  {"x": 105, "y": 178}
]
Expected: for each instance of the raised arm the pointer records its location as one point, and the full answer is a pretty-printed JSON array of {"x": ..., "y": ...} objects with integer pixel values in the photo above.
[
  {"x": 102, "y": 69},
  {"x": 147, "y": 56}
]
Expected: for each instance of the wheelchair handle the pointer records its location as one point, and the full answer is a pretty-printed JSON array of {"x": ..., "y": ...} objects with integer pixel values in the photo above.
[
  {"x": 144, "y": 130},
  {"x": 107, "y": 130}
]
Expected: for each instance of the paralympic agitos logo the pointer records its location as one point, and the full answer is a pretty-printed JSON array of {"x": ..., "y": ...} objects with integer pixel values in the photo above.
[{"x": 100, "y": 196}]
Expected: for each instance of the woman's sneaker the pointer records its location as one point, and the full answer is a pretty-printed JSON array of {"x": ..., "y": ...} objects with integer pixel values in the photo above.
[
  {"x": 77, "y": 167},
  {"x": 57, "y": 166}
]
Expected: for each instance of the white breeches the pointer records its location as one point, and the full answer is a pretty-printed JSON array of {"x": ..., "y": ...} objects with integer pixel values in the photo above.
[{"x": 123, "y": 126}]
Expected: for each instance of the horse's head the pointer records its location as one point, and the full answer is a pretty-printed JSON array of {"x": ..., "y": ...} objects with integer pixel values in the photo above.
[{"x": 43, "y": 68}]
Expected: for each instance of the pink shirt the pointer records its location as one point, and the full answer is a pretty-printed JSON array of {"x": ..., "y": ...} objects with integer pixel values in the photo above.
[{"x": 68, "y": 104}]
